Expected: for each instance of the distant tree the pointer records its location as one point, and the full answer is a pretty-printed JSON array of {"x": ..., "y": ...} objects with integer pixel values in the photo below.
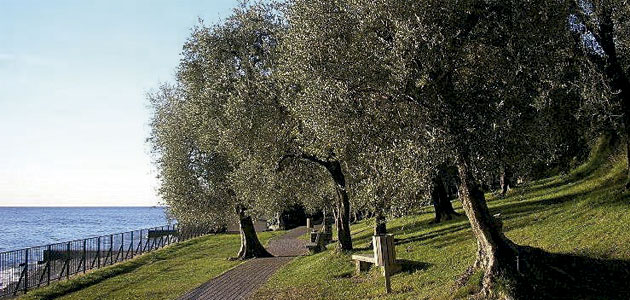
[{"x": 440, "y": 196}]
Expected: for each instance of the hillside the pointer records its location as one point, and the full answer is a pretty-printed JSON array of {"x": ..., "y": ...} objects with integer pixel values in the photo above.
[{"x": 583, "y": 218}]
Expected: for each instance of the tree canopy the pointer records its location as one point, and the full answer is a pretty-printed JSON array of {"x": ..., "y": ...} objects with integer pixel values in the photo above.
[{"x": 368, "y": 105}]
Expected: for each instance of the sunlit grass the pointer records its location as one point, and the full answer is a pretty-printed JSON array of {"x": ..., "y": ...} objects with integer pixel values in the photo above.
[
  {"x": 164, "y": 274},
  {"x": 583, "y": 213}
]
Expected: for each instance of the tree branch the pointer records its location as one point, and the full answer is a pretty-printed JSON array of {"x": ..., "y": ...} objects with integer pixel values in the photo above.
[{"x": 303, "y": 156}]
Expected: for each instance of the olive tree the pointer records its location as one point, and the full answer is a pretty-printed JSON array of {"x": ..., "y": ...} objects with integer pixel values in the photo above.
[
  {"x": 192, "y": 183},
  {"x": 230, "y": 96},
  {"x": 451, "y": 71},
  {"x": 602, "y": 36},
  {"x": 471, "y": 66},
  {"x": 332, "y": 64}
]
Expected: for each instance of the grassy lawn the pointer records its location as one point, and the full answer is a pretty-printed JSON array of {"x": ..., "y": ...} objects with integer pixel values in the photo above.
[
  {"x": 583, "y": 218},
  {"x": 583, "y": 214},
  {"x": 164, "y": 274}
]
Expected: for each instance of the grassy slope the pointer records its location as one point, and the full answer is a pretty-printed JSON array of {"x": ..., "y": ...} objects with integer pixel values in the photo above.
[
  {"x": 164, "y": 274},
  {"x": 583, "y": 214}
]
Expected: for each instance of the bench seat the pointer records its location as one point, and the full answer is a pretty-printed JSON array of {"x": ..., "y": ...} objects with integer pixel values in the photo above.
[
  {"x": 363, "y": 261},
  {"x": 364, "y": 257}
]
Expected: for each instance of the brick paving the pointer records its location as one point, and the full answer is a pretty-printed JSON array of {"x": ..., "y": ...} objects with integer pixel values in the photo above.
[{"x": 241, "y": 281}]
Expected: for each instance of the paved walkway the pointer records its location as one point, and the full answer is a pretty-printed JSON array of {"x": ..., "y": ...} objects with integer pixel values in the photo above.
[{"x": 241, "y": 281}]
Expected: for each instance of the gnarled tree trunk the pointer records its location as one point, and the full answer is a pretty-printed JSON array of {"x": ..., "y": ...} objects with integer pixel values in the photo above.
[
  {"x": 343, "y": 222},
  {"x": 343, "y": 206},
  {"x": 496, "y": 254},
  {"x": 250, "y": 245},
  {"x": 441, "y": 203}
]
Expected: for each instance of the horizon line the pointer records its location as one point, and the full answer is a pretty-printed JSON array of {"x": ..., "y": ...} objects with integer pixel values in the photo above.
[{"x": 77, "y": 206}]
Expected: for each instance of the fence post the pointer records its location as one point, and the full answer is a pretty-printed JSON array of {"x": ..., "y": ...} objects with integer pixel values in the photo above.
[
  {"x": 132, "y": 246},
  {"x": 49, "y": 262},
  {"x": 168, "y": 236},
  {"x": 98, "y": 252},
  {"x": 111, "y": 249},
  {"x": 68, "y": 258},
  {"x": 26, "y": 272},
  {"x": 140, "y": 247},
  {"x": 84, "y": 257},
  {"x": 122, "y": 247},
  {"x": 161, "y": 242}
]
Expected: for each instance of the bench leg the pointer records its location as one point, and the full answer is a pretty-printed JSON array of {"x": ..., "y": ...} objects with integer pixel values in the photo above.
[
  {"x": 388, "y": 284},
  {"x": 362, "y": 266}
]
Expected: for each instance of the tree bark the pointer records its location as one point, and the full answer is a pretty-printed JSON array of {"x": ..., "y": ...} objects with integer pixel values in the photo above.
[
  {"x": 380, "y": 226},
  {"x": 250, "y": 245},
  {"x": 344, "y": 239},
  {"x": 343, "y": 216},
  {"x": 495, "y": 252},
  {"x": 441, "y": 202},
  {"x": 326, "y": 226}
]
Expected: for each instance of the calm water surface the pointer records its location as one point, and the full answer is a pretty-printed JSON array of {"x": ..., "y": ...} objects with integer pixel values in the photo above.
[{"x": 22, "y": 227}]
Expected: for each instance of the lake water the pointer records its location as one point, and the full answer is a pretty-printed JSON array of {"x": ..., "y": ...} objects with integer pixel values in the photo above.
[{"x": 22, "y": 227}]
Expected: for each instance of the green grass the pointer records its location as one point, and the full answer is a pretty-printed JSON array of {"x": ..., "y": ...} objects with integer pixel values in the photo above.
[
  {"x": 164, "y": 274},
  {"x": 583, "y": 218}
]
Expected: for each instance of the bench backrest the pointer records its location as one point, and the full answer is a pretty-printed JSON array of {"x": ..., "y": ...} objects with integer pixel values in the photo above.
[{"x": 384, "y": 250}]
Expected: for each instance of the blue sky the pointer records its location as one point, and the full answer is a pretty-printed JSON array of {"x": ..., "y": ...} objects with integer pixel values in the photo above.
[{"x": 73, "y": 79}]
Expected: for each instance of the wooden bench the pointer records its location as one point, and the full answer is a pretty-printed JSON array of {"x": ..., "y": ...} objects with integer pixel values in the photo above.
[
  {"x": 317, "y": 244},
  {"x": 384, "y": 256}
]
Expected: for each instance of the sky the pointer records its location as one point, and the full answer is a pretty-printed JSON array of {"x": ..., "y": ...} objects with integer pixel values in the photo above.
[{"x": 73, "y": 111}]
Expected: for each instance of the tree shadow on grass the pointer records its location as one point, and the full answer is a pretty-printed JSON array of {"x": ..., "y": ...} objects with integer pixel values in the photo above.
[
  {"x": 518, "y": 211},
  {"x": 411, "y": 266},
  {"x": 432, "y": 234},
  {"x": 571, "y": 179},
  {"x": 406, "y": 266},
  {"x": 564, "y": 276}
]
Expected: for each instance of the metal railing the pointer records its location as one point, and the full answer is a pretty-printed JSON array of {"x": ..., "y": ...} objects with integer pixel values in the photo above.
[{"x": 24, "y": 269}]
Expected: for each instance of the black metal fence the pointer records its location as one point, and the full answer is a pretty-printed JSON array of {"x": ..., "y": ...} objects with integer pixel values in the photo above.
[{"x": 24, "y": 269}]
